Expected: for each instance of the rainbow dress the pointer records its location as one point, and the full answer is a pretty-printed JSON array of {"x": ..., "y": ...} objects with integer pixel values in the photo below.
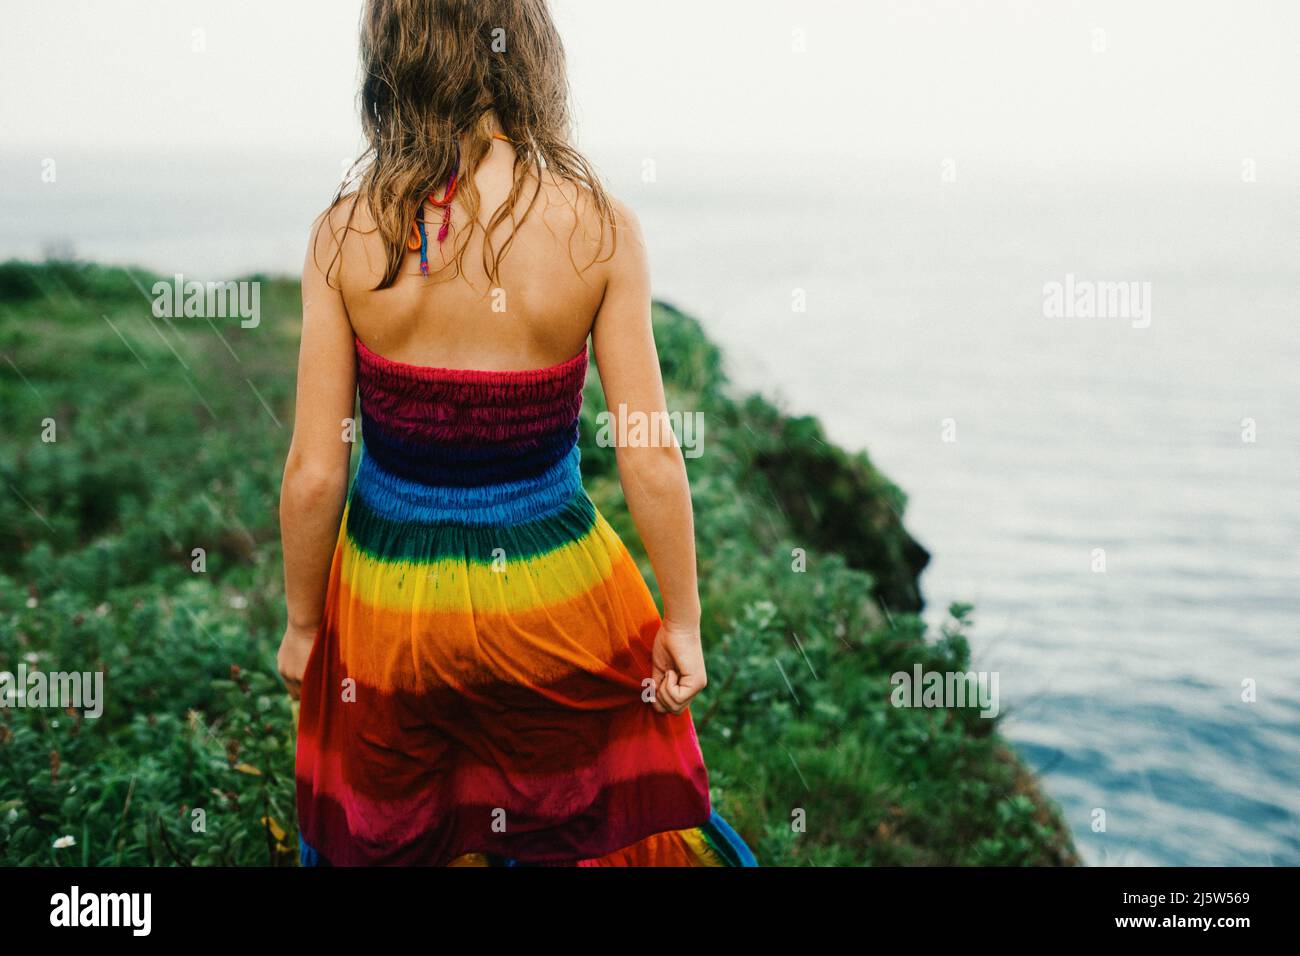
[{"x": 475, "y": 693}]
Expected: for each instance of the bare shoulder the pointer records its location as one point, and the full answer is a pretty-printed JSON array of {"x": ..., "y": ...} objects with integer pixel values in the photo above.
[
  {"x": 624, "y": 214},
  {"x": 627, "y": 223},
  {"x": 626, "y": 248},
  {"x": 338, "y": 237},
  {"x": 329, "y": 227},
  {"x": 597, "y": 222}
]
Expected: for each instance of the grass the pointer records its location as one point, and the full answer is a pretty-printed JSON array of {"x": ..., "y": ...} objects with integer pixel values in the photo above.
[{"x": 169, "y": 436}]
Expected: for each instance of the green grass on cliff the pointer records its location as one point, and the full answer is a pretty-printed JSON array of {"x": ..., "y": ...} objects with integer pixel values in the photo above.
[{"x": 170, "y": 436}]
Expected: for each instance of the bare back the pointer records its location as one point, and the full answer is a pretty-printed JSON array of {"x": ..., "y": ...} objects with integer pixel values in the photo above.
[{"x": 538, "y": 314}]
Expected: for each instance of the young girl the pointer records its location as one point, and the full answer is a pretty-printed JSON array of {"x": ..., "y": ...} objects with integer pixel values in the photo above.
[{"x": 484, "y": 676}]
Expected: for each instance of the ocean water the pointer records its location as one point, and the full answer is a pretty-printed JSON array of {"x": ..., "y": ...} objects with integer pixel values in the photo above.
[
  {"x": 925, "y": 320},
  {"x": 907, "y": 312}
]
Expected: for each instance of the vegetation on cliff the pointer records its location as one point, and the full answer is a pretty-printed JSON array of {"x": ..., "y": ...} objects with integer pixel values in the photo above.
[{"x": 169, "y": 435}]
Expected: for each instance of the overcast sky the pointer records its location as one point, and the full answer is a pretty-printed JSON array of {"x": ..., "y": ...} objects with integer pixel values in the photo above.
[{"x": 1047, "y": 81}]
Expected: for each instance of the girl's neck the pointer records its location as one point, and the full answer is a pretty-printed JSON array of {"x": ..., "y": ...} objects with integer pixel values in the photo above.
[{"x": 488, "y": 127}]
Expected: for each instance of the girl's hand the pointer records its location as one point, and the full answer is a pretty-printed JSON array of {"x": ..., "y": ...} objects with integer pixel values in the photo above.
[
  {"x": 292, "y": 659},
  {"x": 678, "y": 667}
]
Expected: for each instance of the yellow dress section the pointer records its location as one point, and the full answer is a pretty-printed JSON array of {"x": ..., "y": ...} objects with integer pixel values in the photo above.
[
  {"x": 579, "y": 618},
  {"x": 508, "y": 586}
]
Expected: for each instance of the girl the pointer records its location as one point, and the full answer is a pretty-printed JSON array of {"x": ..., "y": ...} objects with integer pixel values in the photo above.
[{"x": 484, "y": 676}]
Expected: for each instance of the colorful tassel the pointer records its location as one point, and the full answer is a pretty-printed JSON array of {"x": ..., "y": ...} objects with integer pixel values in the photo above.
[{"x": 445, "y": 204}]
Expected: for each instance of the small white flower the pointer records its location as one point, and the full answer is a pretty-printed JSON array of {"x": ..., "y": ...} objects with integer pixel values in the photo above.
[
  {"x": 65, "y": 841},
  {"x": 31, "y": 602},
  {"x": 31, "y": 657},
  {"x": 102, "y": 610},
  {"x": 12, "y": 815},
  {"x": 238, "y": 602}
]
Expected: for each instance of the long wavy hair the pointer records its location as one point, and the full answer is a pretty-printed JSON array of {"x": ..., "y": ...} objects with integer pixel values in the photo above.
[{"x": 431, "y": 71}]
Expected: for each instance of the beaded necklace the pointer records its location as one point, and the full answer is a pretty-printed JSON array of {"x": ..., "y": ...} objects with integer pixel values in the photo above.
[{"x": 419, "y": 238}]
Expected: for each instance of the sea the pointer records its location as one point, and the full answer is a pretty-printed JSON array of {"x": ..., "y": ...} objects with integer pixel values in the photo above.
[{"x": 1085, "y": 378}]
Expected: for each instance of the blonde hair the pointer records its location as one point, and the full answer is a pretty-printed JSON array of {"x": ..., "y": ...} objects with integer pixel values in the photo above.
[{"x": 432, "y": 71}]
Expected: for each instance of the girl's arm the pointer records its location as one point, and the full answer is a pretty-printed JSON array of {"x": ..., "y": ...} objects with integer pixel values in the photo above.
[
  {"x": 653, "y": 475},
  {"x": 316, "y": 471}
]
